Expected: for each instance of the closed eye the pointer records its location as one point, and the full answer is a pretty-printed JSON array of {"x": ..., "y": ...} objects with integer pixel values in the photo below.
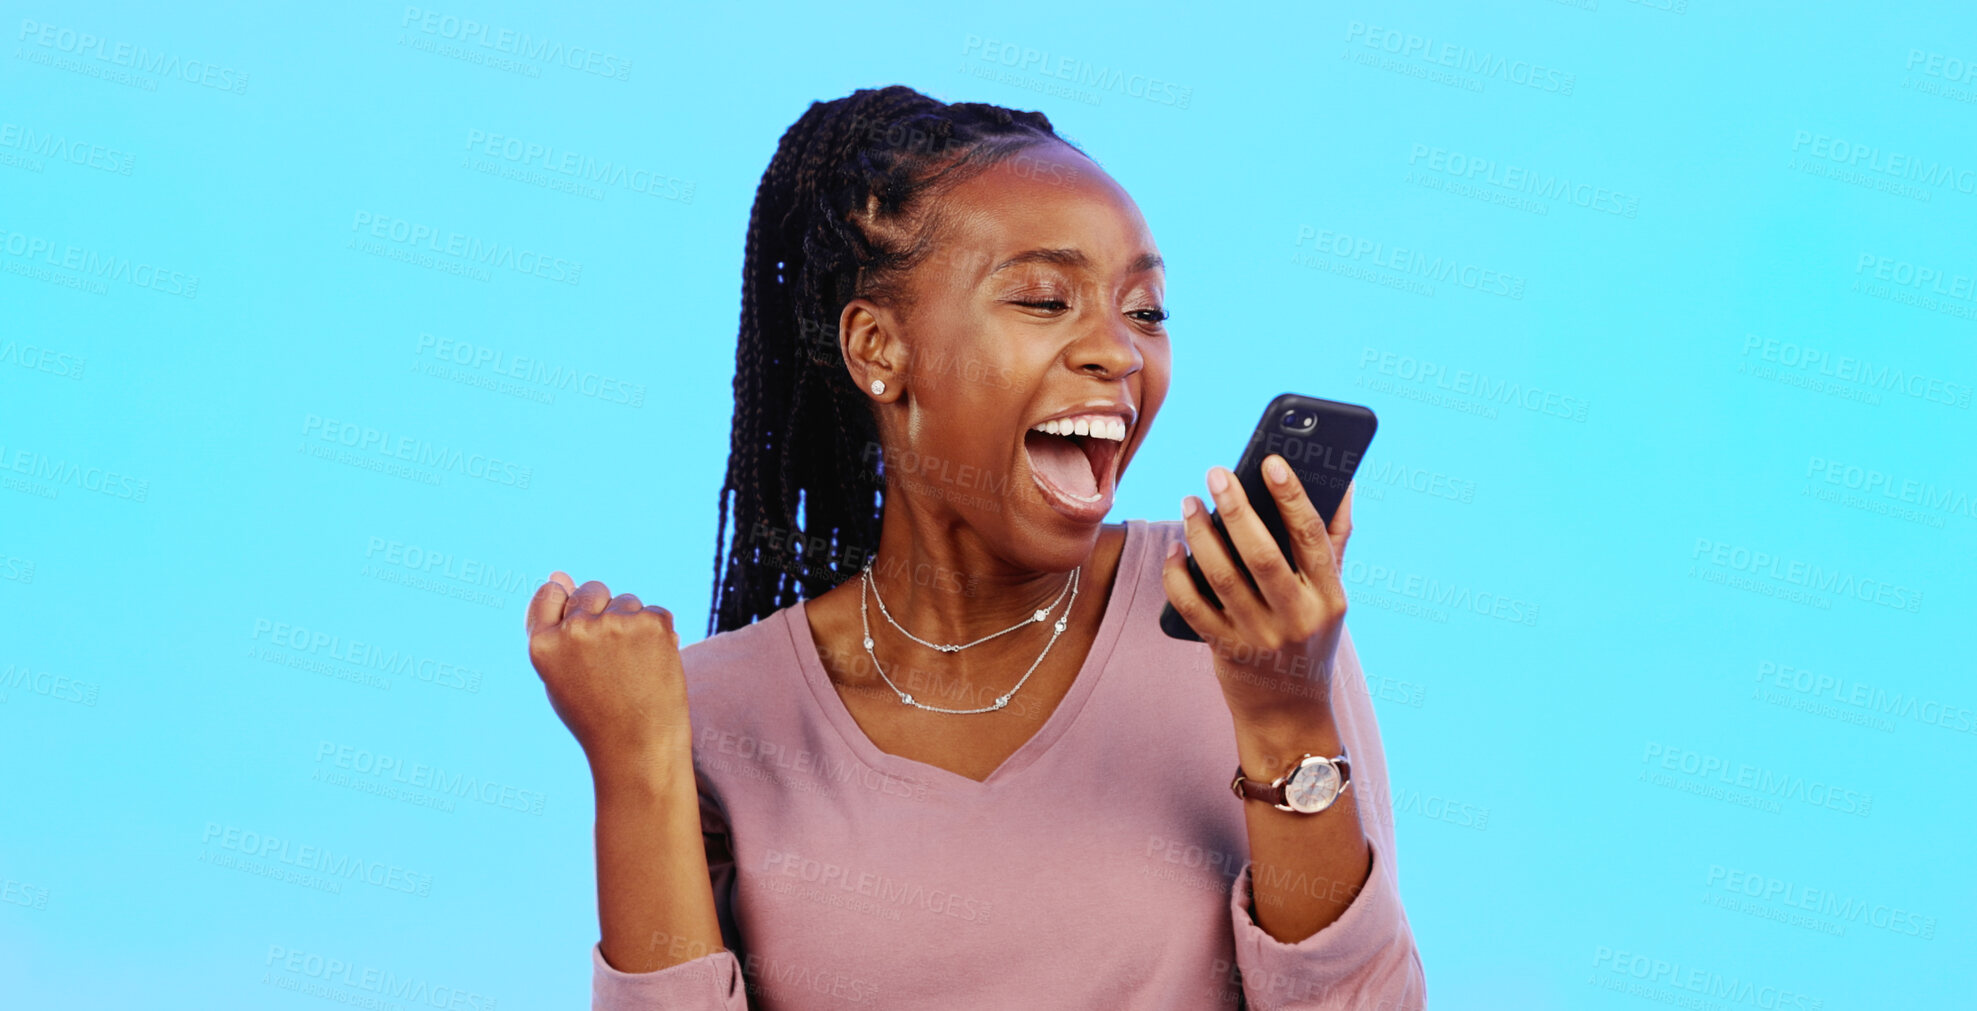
[{"x": 1149, "y": 316}]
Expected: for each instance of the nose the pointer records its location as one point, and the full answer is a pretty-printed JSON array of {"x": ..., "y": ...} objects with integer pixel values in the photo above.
[{"x": 1108, "y": 350}]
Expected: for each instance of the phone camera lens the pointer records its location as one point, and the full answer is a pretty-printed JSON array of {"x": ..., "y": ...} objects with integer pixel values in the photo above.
[{"x": 1300, "y": 421}]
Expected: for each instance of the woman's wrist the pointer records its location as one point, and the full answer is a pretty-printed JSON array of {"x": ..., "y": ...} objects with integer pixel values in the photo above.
[
  {"x": 1267, "y": 744},
  {"x": 646, "y": 773}
]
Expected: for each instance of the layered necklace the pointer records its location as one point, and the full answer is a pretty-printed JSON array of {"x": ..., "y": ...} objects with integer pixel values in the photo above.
[{"x": 1041, "y": 615}]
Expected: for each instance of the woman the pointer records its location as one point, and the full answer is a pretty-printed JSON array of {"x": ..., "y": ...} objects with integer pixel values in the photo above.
[{"x": 938, "y": 752}]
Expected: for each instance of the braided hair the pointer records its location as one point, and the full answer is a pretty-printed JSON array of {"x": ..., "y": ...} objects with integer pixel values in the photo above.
[{"x": 838, "y": 215}]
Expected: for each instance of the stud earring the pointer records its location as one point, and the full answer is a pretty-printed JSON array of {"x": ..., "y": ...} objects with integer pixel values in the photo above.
[{"x": 878, "y": 387}]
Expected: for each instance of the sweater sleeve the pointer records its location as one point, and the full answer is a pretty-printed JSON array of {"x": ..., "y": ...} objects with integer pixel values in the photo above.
[
  {"x": 1366, "y": 959},
  {"x": 711, "y": 982}
]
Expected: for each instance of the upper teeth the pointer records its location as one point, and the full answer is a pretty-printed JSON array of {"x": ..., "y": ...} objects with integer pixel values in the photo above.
[{"x": 1098, "y": 426}]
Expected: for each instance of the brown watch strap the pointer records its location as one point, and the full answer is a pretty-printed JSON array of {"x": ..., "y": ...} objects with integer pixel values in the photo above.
[{"x": 1272, "y": 793}]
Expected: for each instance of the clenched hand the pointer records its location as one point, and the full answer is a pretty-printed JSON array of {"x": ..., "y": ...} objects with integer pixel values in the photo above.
[{"x": 611, "y": 666}]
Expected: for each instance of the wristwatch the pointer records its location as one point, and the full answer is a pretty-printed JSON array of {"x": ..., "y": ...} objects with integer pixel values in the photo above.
[{"x": 1312, "y": 784}]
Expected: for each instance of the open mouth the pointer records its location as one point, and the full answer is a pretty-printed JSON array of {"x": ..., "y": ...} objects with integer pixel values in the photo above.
[{"x": 1073, "y": 461}]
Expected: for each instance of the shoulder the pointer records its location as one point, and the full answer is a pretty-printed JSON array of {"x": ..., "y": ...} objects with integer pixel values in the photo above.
[
  {"x": 747, "y": 681},
  {"x": 729, "y": 659},
  {"x": 1156, "y": 535}
]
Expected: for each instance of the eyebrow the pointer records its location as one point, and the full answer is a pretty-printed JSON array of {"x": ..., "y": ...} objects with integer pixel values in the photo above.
[{"x": 1075, "y": 258}]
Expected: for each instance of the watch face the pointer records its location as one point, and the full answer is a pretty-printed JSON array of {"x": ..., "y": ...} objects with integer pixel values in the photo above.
[{"x": 1312, "y": 787}]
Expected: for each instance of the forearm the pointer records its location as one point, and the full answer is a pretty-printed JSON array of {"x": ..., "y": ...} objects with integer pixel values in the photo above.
[
  {"x": 655, "y": 903},
  {"x": 1306, "y": 868}
]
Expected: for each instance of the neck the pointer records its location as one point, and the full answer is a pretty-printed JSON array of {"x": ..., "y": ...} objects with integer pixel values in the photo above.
[{"x": 943, "y": 582}]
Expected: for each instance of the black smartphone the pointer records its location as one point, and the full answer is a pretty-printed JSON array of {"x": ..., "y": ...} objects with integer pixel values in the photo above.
[{"x": 1323, "y": 441}]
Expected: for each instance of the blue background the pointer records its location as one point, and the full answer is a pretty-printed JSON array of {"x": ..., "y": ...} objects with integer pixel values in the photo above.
[{"x": 1612, "y": 705}]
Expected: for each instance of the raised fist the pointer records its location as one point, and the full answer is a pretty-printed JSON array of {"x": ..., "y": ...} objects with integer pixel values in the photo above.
[{"x": 612, "y": 669}]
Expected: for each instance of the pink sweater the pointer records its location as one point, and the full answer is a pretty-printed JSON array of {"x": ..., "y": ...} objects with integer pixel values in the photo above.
[{"x": 1103, "y": 865}]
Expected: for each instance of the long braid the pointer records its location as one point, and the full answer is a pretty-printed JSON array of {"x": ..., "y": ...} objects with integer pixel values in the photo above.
[{"x": 836, "y": 216}]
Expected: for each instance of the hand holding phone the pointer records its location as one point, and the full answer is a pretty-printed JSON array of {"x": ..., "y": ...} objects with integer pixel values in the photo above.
[{"x": 1323, "y": 442}]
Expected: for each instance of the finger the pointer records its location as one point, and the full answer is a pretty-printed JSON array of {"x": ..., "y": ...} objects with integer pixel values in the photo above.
[
  {"x": 667, "y": 616},
  {"x": 590, "y": 598},
  {"x": 1341, "y": 530},
  {"x": 625, "y": 603},
  {"x": 1239, "y": 599},
  {"x": 1277, "y": 584},
  {"x": 1329, "y": 576},
  {"x": 1310, "y": 545},
  {"x": 1206, "y": 619},
  {"x": 569, "y": 585},
  {"x": 546, "y": 607}
]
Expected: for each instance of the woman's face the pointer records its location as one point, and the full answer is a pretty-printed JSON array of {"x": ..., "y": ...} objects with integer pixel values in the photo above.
[{"x": 1039, "y": 309}]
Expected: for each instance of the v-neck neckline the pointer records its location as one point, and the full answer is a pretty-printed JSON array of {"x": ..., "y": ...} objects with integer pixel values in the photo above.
[{"x": 1118, "y": 604}]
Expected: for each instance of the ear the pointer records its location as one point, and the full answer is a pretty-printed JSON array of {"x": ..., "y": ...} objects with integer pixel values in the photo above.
[{"x": 868, "y": 334}]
